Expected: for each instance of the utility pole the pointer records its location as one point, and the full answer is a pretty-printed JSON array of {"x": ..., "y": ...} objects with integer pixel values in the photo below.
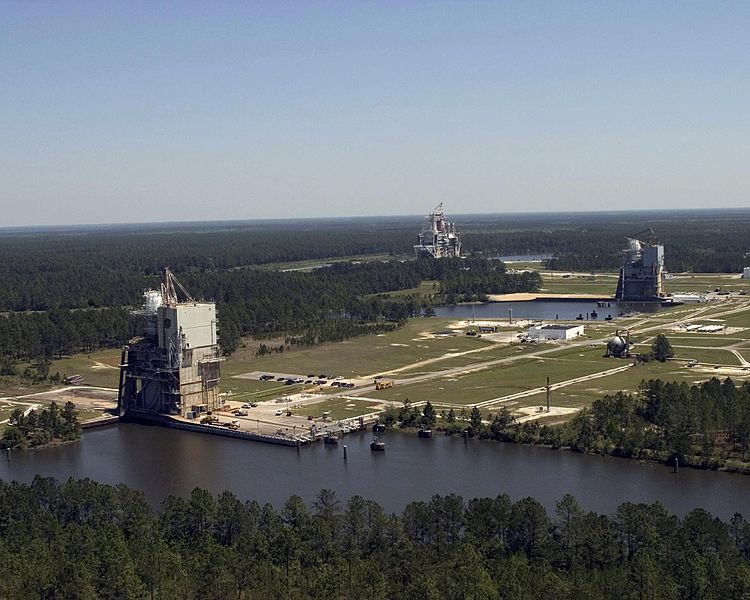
[{"x": 549, "y": 391}]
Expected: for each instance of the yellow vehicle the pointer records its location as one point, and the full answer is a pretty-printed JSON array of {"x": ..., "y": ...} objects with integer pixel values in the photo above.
[{"x": 383, "y": 384}]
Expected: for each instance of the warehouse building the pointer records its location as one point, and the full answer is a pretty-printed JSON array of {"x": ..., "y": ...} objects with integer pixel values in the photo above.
[{"x": 545, "y": 333}]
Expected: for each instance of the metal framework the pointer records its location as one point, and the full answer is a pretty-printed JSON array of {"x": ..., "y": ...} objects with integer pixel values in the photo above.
[
  {"x": 642, "y": 273},
  {"x": 173, "y": 366},
  {"x": 439, "y": 238}
]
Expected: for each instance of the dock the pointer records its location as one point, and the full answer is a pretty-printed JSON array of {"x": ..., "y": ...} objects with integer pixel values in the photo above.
[{"x": 282, "y": 439}]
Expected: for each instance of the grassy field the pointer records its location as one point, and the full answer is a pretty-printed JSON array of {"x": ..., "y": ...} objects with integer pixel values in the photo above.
[
  {"x": 713, "y": 356},
  {"x": 340, "y": 408},
  {"x": 99, "y": 369},
  {"x": 705, "y": 341},
  {"x": 604, "y": 284},
  {"x": 583, "y": 394},
  {"x": 703, "y": 282},
  {"x": 361, "y": 356},
  {"x": 491, "y": 353},
  {"x": 501, "y": 380},
  {"x": 6, "y": 408}
]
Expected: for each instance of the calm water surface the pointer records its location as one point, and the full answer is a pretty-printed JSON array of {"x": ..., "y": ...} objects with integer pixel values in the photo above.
[
  {"x": 543, "y": 309},
  {"x": 163, "y": 461}
]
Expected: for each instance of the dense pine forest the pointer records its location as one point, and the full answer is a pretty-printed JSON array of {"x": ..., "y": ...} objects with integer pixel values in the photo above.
[
  {"x": 68, "y": 290},
  {"x": 82, "y": 539},
  {"x": 326, "y": 304}
]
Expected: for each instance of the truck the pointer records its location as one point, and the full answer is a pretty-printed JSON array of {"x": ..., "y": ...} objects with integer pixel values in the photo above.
[{"x": 383, "y": 384}]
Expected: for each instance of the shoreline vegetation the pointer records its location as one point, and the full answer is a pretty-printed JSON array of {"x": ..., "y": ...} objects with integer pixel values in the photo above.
[
  {"x": 50, "y": 426},
  {"x": 703, "y": 426},
  {"x": 83, "y": 539}
]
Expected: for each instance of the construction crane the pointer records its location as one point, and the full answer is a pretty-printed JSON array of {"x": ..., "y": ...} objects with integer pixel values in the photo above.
[
  {"x": 650, "y": 239},
  {"x": 168, "y": 291}
]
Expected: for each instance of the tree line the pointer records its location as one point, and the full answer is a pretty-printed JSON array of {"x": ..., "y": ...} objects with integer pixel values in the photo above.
[
  {"x": 41, "y": 427},
  {"x": 705, "y": 425},
  {"x": 105, "y": 267},
  {"x": 324, "y": 305},
  {"x": 83, "y": 539}
]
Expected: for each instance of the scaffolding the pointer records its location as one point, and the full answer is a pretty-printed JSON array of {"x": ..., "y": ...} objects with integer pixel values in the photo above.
[{"x": 438, "y": 238}]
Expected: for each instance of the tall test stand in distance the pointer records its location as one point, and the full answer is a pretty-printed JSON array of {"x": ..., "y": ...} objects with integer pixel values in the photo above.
[
  {"x": 439, "y": 238},
  {"x": 642, "y": 273}
]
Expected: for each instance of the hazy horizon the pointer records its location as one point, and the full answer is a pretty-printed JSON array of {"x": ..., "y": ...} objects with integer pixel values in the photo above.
[{"x": 134, "y": 113}]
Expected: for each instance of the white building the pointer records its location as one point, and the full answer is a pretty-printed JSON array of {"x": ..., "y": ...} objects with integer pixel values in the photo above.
[
  {"x": 746, "y": 273},
  {"x": 543, "y": 332},
  {"x": 689, "y": 298}
]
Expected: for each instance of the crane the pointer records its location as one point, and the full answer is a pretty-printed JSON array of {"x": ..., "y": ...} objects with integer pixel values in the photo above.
[
  {"x": 168, "y": 291},
  {"x": 650, "y": 239}
]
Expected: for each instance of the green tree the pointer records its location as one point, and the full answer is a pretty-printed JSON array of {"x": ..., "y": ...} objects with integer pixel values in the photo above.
[
  {"x": 8, "y": 365},
  {"x": 475, "y": 420},
  {"x": 429, "y": 416},
  {"x": 661, "y": 348}
]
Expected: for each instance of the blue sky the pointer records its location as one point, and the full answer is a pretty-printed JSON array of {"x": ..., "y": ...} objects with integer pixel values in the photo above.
[{"x": 129, "y": 111}]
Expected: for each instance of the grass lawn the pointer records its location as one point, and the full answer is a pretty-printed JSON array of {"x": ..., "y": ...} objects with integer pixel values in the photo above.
[
  {"x": 6, "y": 409},
  {"x": 739, "y": 319},
  {"x": 702, "y": 282},
  {"x": 366, "y": 355},
  {"x": 705, "y": 341},
  {"x": 99, "y": 369},
  {"x": 583, "y": 394},
  {"x": 499, "y": 351},
  {"x": 340, "y": 408},
  {"x": 714, "y": 356},
  {"x": 604, "y": 284},
  {"x": 501, "y": 380}
]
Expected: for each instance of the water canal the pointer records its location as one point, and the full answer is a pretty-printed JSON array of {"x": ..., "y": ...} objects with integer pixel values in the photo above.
[{"x": 163, "y": 461}]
